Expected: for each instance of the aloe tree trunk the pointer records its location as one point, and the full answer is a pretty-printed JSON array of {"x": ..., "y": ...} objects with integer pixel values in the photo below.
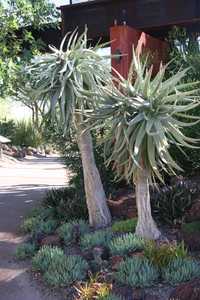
[
  {"x": 99, "y": 214},
  {"x": 146, "y": 226}
]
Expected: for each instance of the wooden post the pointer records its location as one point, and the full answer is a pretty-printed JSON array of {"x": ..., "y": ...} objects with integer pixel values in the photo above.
[{"x": 123, "y": 38}]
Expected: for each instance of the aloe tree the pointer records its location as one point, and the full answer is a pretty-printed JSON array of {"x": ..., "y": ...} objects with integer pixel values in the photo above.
[
  {"x": 146, "y": 116},
  {"x": 58, "y": 79}
]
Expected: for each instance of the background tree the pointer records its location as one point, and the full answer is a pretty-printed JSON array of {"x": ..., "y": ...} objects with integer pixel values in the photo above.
[
  {"x": 147, "y": 115},
  {"x": 184, "y": 52},
  {"x": 18, "y": 20},
  {"x": 66, "y": 81}
]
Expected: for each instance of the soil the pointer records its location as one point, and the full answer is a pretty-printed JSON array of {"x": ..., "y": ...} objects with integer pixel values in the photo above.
[{"x": 22, "y": 185}]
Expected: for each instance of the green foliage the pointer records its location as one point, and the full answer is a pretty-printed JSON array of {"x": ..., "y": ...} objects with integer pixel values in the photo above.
[
  {"x": 125, "y": 225},
  {"x": 170, "y": 203},
  {"x": 63, "y": 272},
  {"x": 184, "y": 52},
  {"x": 25, "y": 250},
  {"x": 137, "y": 272},
  {"x": 46, "y": 227},
  {"x": 7, "y": 128},
  {"x": 30, "y": 224},
  {"x": 18, "y": 20},
  {"x": 98, "y": 238},
  {"x": 180, "y": 270},
  {"x": 162, "y": 255},
  {"x": 71, "y": 231},
  {"x": 125, "y": 244},
  {"x": 66, "y": 203},
  {"x": 45, "y": 256},
  {"x": 21, "y": 133},
  {"x": 193, "y": 227},
  {"x": 60, "y": 78},
  {"x": 95, "y": 289},
  {"x": 147, "y": 115},
  {"x": 26, "y": 135}
]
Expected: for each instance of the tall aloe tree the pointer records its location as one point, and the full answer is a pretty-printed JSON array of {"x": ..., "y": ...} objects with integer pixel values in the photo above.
[
  {"x": 57, "y": 79},
  {"x": 146, "y": 115}
]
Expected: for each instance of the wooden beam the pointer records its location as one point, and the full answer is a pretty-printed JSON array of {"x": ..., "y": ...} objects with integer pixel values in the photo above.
[{"x": 145, "y": 15}]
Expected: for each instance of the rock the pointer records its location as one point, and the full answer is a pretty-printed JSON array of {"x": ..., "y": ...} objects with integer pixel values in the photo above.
[
  {"x": 187, "y": 291},
  {"x": 194, "y": 213},
  {"x": 124, "y": 205},
  {"x": 50, "y": 240},
  {"x": 29, "y": 152},
  {"x": 115, "y": 261}
]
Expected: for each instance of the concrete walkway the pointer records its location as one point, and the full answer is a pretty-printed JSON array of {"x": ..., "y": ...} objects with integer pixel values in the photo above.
[{"x": 22, "y": 185}]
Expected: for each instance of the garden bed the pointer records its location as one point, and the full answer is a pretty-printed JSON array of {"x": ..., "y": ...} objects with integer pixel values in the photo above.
[{"x": 111, "y": 263}]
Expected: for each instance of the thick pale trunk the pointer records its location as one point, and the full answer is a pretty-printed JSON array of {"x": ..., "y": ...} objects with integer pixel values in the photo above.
[
  {"x": 146, "y": 226},
  {"x": 99, "y": 214}
]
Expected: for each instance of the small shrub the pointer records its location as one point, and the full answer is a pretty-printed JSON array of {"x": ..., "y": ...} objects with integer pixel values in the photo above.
[
  {"x": 40, "y": 213},
  {"x": 30, "y": 224},
  {"x": 45, "y": 256},
  {"x": 137, "y": 272},
  {"x": 193, "y": 227},
  {"x": 66, "y": 271},
  {"x": 126, "y": 243},
  {"x": 180, "y": 270},
  {"x": 161, "y": 256},
  {"x": 26, "y": 134},
  {"x": 170, "y": 204},
  {"x": 46, "y": 227},
  {"x": 25, "y": 250},
  {"x": 98, "y": 238},
  {"x": 103, "y": 291},
  {"x": 95, "y": 289},
  {"x": 70, "y": 231},
  {"x": 66, "y": 203},
  {"x": 125, "y": 225}
]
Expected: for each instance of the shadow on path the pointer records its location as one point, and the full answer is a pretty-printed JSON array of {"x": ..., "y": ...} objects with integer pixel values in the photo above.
[{"x": 22, "y": 188}]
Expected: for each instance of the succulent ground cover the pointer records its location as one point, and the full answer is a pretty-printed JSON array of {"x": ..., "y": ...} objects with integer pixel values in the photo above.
[{"x": 102, "y": 264}]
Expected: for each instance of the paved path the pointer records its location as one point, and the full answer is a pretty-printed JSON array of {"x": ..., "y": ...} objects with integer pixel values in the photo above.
[{"x": 21, "y": 188}]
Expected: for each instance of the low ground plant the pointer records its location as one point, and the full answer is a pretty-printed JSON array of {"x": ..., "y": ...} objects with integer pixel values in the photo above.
[
  {"x": 125, "y": 244},
  {"x": 137, "y": 272},
  {"x": 125, "y": 225},
  {"x": 26, "y": 250},
  {"x": 45, "y": 256},
  {"x": 66, "y": 270},
  {"x": 170, "y": 203},
  {"x": 45, "y": 227},
  {"x": 66, "y": 204},
  {"x": 162, "y": 255},
  {"x": 71, "y": 231},
  {"x": 181, "y": 270},
  {"x": 97, "y": 238},
  {"x": 29, "y": 225}
]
